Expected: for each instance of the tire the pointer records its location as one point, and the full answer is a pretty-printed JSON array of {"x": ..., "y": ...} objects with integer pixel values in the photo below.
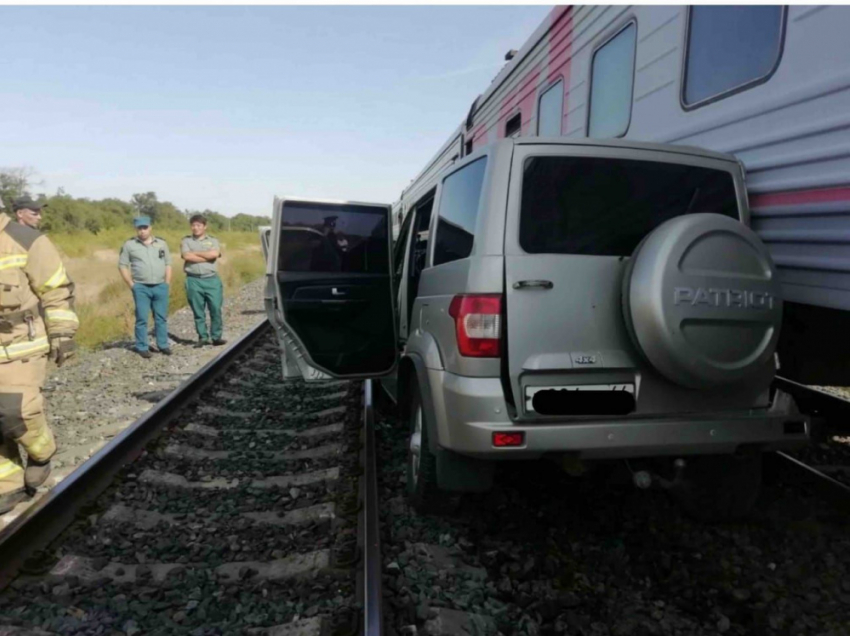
[
  {"x": 720, "y": 487},
  {"x": 422, "y": 488}
]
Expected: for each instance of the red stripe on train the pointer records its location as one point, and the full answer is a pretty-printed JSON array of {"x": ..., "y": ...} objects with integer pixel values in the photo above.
[
  {"x": 522, "y": 96},
  {"x": 560, "y": 61},
  {"x": 774, "y": 199}
]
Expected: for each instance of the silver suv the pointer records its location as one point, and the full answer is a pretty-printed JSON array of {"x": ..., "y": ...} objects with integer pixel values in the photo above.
[{"x": 575, "y": 299}]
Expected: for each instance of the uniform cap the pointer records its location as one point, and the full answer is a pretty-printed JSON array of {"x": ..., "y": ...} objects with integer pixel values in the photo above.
[
  {"x": 141, "y": 221},
  {"x": 27, "y": 203}
]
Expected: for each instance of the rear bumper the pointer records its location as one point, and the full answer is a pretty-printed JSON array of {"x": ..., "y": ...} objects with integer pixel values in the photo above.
[{"x": 470, "y": 410}]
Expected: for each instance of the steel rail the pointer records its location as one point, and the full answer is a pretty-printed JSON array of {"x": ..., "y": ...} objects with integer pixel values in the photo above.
[
  {"x": 46, "y": 518},
  {"x": 830, "y": 489},
  {"x": 372, "y": 565},
  {"x": 830, "y": 415},
  {"x": 832, "y": 410}
]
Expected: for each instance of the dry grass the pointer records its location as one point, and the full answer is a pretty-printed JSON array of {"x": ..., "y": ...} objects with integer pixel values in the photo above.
[
  {"x": 105, "y": 304},
  {"x": 87, "y": 245}
]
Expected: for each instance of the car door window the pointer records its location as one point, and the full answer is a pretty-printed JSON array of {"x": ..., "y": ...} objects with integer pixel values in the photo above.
[
  {"x": 418, "y": 249},
  {"x": 349, "y": 239},
  {"x": 400, "y": 247}
]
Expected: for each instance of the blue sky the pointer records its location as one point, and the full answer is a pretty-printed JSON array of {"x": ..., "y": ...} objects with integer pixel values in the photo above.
[{"x": 224, "y": 107}]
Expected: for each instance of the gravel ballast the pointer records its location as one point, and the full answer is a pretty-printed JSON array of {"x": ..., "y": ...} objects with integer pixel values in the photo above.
[
  {"x": 94, "y": 398},
  {"x": 546, "y": 553},
  {"x": 258, "y": 547}
]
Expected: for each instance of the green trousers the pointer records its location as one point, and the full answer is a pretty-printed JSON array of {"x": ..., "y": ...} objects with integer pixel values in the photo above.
[{"x": 203, "y": 293}]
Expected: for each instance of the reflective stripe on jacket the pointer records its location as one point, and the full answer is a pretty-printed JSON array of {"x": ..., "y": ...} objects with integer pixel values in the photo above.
[{"x": 32, "y": 274}]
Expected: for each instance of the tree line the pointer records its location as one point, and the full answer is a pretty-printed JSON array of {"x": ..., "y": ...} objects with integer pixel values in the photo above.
[{"x": 67, "y": 214}]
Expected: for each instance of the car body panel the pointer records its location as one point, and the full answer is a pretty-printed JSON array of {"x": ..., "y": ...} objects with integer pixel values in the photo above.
[{"x": 579, "y": 320}]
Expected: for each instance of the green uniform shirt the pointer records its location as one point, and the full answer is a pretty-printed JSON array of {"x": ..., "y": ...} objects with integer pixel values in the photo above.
[
  {"x": 205, "y": 244},
  {"x": 146, "y": 263}
]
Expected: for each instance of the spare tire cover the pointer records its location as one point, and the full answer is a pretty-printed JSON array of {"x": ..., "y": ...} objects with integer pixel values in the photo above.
[{"x": 701, "y": 300}]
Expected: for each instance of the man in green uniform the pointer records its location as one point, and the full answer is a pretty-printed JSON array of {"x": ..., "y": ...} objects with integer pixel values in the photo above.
[
  {"x": 145, "y": 265},
  {"x": 201, "y": 252}
]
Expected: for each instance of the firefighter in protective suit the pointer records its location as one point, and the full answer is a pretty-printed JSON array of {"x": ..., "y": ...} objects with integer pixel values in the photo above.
[{"x": 31, "y": 272}]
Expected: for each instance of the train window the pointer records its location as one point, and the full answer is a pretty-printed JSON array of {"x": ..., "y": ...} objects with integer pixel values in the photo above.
[
  {"x": 729, "y": 49},
  {"x": 513, "y": 126},
  {"x": 459, "y": 204},
  {"x": 611, "y": 80},
  {"x": 550, "y": 111}
]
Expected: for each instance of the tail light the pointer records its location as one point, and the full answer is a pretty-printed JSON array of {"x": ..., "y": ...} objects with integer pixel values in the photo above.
[
  {"x": 502, "y": 440},
  {"x": 478, "y": 323}
]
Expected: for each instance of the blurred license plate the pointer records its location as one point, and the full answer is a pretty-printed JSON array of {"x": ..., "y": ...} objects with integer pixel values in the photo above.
[{"x": 530, "y": 391}]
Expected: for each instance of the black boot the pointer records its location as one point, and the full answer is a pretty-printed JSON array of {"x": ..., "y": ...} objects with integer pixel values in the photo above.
[
  {"x": 36, "y": 474},
  {"x": 11, "y": 499}
]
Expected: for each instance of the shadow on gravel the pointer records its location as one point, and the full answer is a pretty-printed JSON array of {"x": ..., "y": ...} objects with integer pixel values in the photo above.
[
  {"x": 118, "y": 344},
  {"x": 153, "y": 396},
  {"x": 130, "y": 345},
  {"x": 251, "y": 312},
  {"x": 179, "y": 340}
]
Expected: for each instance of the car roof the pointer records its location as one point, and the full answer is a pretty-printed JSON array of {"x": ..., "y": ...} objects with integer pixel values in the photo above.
[{"x": 625, "y": 143}]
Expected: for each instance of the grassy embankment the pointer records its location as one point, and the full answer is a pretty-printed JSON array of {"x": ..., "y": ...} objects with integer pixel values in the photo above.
[{"x": 105, "y": 304}]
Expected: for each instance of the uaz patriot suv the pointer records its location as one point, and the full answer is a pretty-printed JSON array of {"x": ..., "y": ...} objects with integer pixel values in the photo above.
[{"x": 583, "y": 299}]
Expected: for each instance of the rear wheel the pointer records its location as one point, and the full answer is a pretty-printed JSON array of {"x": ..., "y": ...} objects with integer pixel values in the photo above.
[
  {"x": 720, "y": 487},
  {"x": 421, "y": 462}
]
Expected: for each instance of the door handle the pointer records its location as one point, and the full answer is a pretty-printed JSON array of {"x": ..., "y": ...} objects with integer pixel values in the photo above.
[
  {"x": 534, "y": 284},
  {"x": 336, "y": 292}
]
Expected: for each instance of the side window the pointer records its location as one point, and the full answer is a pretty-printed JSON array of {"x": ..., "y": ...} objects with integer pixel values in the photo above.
[
  {"x": 611, "y": 81},
  {"x": 513, "y": 127},
  {"x": 419, "y": 240},
  {"x": 401, "y": 245},
  {"x": 458, "y": 210},
  {"x": 730, "y": 48},
  {"x": 550, "y": 111},
  {"x": 418, "y": 249}
]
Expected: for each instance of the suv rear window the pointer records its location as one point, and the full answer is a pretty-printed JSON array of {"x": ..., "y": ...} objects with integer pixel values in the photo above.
[{"x": 605, "y": 207}]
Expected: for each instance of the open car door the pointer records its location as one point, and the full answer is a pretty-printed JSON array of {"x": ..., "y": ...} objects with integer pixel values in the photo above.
[
  {"x": 265, "y": 236},
  {"x": 334, "y": 287},
  {"x": 269, "y": 297}
]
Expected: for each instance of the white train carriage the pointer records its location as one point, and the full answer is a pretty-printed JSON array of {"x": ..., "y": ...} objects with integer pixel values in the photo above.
[{"x": 770, "y": 84}]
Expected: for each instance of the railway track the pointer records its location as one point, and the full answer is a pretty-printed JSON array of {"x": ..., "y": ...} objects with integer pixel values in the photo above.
[
  {"x": 546, "y": 553},
  {"x": 825, "y": 465},
  {"x": 237, "y": 505},
  {"x": 241, "y": 504}
]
